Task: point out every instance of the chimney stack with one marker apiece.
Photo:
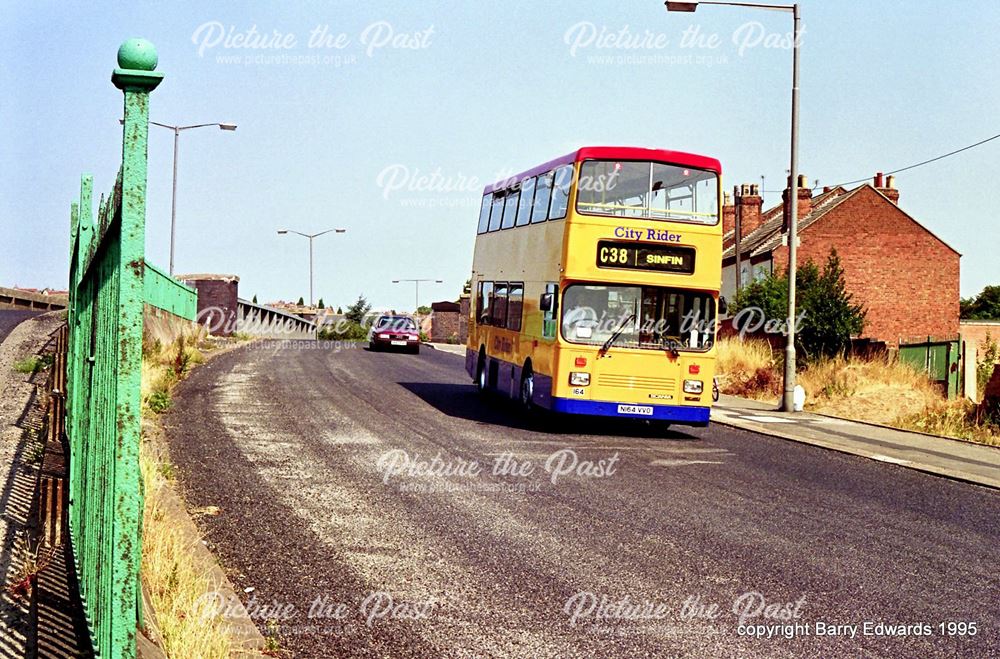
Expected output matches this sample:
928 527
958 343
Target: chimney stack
803 199
749 203
889 188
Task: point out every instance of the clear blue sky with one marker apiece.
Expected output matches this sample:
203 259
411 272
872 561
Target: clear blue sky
492 88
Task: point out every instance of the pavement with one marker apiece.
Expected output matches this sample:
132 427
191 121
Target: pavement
372 504
21 420
952 458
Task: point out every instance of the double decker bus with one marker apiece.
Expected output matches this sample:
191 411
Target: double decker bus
596 285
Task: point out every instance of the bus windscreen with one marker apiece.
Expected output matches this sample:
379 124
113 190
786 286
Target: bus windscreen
648 190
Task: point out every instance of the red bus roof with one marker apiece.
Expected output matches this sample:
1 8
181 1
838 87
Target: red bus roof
614 153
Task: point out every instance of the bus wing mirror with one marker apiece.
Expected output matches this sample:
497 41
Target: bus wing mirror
545 302
723 306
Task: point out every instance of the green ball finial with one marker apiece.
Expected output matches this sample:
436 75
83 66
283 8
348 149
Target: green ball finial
137 54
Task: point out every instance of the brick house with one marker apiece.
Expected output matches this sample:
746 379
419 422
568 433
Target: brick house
906 277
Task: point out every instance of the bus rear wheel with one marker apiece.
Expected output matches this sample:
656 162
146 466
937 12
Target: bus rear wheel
481 374
527 396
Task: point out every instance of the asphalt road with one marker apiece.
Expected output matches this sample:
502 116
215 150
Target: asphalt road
349 555
11 318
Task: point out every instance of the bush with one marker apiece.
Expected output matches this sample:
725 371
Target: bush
344 331
28 365
985 366
160 401
830 318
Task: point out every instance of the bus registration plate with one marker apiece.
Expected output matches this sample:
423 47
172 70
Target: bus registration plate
645 410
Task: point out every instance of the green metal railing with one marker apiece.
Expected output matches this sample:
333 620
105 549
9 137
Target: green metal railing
164 292
105 317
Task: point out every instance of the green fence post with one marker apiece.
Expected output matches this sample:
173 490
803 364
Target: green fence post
136 77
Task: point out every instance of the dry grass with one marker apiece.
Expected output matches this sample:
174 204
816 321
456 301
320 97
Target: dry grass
878 391
748 369
958 419
176 585
163 366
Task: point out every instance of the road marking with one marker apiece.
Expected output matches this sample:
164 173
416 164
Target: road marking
767 419
886 458
681 463
691 449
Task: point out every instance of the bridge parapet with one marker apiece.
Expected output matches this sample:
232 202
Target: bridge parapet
268 323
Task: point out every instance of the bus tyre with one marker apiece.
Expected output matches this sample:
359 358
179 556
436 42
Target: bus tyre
527 396
481 374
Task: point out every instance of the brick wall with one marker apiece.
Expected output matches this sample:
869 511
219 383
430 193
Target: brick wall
974 334
217 301
463 319
907 279
444 325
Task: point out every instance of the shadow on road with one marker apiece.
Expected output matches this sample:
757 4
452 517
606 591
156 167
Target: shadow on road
464 402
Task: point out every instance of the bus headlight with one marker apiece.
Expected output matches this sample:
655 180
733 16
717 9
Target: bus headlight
579 379
693 386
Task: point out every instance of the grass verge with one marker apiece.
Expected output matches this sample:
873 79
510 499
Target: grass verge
882 391
177 585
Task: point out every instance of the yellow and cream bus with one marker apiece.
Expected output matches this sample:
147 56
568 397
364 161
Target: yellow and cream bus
596 284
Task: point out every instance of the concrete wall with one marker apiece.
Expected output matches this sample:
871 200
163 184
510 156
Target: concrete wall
165 327
11 298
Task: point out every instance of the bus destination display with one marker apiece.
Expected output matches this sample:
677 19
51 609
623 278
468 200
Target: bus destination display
645 257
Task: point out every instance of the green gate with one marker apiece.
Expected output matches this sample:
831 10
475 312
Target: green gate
941 359
105 317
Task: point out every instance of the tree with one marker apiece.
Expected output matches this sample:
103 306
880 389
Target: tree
423 310
321 305
467 287
340 311
255 298
830 316
985 306
356 312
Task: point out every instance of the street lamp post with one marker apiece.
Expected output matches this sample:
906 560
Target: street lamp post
310 236
416 289
788 394
173 195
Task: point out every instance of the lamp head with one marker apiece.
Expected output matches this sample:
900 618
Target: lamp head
227 126
688 7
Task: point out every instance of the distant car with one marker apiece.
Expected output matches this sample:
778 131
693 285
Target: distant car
391 332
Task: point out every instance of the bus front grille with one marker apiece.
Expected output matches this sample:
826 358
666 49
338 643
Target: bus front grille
637 382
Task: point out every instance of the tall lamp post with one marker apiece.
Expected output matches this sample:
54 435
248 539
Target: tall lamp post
416 289
793 224
173 195
310 236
